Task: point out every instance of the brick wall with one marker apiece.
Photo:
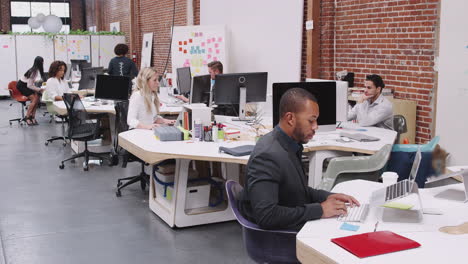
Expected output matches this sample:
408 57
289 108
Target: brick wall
5 15
196 12
395 39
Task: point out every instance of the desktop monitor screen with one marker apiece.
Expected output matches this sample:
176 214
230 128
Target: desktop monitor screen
79 65
184 80
112 87
325 92
88 77
200 89
227 87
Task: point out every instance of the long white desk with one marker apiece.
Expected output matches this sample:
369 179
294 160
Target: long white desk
314 245
93 107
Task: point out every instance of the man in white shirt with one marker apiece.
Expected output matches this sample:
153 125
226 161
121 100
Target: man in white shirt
372 108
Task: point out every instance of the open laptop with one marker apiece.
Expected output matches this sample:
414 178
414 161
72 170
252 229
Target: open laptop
401 191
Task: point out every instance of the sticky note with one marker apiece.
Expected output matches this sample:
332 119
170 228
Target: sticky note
193 34
185 51
210 50
197 70
185 42
203 51
349 227
200 34
196 34
180 48
208 41
5 46
209 56
186 61
217 51
204 62
215 58
203 44
180 42
216 45
400 206
220 39
213 39
190 40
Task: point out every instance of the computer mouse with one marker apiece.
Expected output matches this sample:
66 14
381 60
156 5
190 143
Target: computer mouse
345 139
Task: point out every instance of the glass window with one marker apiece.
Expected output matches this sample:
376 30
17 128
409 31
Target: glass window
20 9
40 7
40 29
20 28
60 9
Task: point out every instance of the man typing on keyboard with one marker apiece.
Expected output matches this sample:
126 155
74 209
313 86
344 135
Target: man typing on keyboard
276 195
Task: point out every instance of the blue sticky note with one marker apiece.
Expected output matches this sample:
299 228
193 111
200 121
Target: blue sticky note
349 227
361 129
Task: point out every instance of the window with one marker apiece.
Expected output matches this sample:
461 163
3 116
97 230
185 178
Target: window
21 11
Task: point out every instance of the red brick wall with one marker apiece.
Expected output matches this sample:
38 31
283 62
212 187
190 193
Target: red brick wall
196 12
5 15
395 39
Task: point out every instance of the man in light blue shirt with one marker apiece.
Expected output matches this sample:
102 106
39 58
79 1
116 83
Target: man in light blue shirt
372 108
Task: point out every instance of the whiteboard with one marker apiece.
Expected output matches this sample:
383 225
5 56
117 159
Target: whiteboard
260 41
8 65
106 48
60 48
196 46
79 47
30 46
95 51
146 48
452 91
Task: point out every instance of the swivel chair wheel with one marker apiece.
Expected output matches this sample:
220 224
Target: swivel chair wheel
64 143
61 166
118 194
86 168
114 160
10 123
46 143
143 185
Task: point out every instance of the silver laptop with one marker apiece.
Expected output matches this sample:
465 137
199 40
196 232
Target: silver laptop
399 189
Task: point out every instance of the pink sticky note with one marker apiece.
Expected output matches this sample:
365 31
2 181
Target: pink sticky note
196 34
215 58
217 51
210 50
209 56
186 61
200 34
220 39
5 46
204 62
68 49
208 41
216 45
213 39
203 44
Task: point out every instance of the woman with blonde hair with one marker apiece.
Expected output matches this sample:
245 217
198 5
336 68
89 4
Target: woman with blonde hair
143 107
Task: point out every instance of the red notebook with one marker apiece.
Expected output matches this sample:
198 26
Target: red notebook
375 243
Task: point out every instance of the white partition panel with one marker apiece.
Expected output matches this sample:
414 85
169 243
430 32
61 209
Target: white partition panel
28 47
8 65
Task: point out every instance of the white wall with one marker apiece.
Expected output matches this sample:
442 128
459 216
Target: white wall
265 35
452 92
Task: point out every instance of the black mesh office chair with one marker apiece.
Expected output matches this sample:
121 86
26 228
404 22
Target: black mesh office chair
399 125
121 110
81 128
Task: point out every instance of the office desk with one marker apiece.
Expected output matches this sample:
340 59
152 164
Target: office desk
92 107
144 145
325 145
314 246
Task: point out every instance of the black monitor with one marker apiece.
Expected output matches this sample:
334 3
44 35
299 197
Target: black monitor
229 88
184 80
79 65
88 77
201 90
112 87
326 95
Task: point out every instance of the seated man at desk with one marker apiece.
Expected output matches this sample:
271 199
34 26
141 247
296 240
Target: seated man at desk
372 108
276 195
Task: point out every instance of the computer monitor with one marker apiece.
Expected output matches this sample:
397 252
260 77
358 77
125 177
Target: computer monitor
88 77
324 91
112 87
240 88
79 65
67 75
201 90
184 80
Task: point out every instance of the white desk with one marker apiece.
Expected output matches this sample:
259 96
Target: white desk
93 107
325 145
144 145
314 245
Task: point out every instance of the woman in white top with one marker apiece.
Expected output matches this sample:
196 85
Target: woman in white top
27 87
143 107
56 85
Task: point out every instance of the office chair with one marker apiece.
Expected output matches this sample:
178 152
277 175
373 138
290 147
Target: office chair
263 246
49 102
399 125
342 169
81 128
20 98
121 110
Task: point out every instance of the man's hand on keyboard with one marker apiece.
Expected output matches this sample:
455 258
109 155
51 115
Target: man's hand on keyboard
336 204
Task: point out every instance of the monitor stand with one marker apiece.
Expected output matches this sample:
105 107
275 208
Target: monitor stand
242 104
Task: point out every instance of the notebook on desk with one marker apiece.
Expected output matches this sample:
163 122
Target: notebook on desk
375 243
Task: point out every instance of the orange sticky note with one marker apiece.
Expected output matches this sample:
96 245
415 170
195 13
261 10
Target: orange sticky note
190 40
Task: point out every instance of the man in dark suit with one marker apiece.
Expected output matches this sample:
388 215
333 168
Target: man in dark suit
276 195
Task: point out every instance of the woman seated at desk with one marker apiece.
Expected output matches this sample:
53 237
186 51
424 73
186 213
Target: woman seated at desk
143 107
27 87
56 86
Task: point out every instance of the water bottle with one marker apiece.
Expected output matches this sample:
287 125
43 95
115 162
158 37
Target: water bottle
214 133
197 129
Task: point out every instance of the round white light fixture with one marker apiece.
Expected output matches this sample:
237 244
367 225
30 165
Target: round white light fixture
34 23
40 17
52 24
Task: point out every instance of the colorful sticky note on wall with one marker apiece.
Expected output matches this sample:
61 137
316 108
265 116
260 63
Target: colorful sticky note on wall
213 39
208 41
5 46
203 51
196 34
204 62
210 50
217 51
180 48
220 39
200 34
180 42
190 40
209 56
193 34
185 51
185 42
215 58
216 45
203 44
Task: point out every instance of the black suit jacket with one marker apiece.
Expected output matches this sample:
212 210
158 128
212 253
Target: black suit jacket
276 195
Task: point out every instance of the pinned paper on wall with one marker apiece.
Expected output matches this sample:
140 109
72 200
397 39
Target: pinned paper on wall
200 34
86 57
215 58
185 51
5 46
180 49
190 40
220 39
209 56
217 51
213 39
208 41
180 43
216 45
185 43
210 50
203 44
196 34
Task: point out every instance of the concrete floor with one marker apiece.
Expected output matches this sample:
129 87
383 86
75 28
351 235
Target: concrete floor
48 215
